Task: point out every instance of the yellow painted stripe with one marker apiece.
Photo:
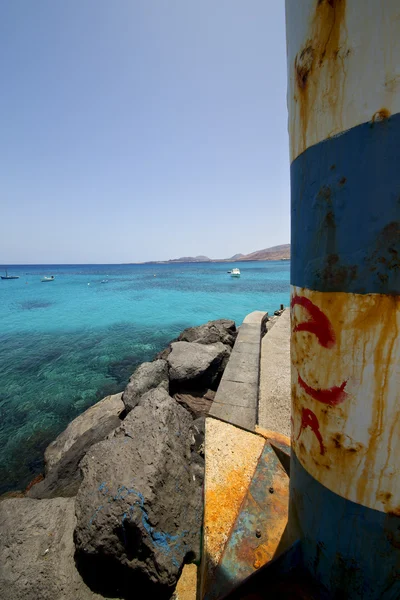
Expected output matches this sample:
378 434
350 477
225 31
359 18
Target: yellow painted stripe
345 356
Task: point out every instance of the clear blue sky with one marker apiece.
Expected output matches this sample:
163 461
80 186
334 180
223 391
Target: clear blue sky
134 130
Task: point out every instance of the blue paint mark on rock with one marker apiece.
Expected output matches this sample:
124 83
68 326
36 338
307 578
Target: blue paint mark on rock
167 543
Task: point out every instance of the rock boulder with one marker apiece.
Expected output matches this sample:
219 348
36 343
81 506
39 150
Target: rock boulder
37 551
62 456
147 376
197 403
221 330
139 508
193 365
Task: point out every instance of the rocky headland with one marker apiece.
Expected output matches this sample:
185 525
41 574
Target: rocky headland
281 252
119 509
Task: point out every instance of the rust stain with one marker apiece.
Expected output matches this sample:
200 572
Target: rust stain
345 443
274 515
386 251
223 502
273 436
383 360
324 51
232 456
336 274
384 497
34 481
392 528
380 115
366 445
262 556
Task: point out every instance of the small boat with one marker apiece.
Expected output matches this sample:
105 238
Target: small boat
235 273
104 281
7 276
48 279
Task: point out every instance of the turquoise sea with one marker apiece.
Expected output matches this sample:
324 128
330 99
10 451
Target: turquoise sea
68 343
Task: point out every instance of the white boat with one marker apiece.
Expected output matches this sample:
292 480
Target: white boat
48 279
235 273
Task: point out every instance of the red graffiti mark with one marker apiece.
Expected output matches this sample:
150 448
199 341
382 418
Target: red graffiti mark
319 325
331 396
309 419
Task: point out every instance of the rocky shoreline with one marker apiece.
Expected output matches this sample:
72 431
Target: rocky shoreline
120 506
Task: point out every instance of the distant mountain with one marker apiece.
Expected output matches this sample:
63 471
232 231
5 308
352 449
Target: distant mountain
236 257
274 253
281 252
191 259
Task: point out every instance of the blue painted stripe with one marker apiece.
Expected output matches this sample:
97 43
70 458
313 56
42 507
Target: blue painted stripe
353 549
346 212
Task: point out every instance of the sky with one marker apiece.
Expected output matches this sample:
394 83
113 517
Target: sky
137 130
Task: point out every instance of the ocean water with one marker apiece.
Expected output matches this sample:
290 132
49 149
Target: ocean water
68 343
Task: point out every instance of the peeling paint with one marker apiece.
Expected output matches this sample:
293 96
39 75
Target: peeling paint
330 66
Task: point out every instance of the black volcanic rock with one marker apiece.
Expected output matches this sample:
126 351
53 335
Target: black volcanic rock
139 506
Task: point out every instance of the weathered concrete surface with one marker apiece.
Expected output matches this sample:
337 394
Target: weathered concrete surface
243 367
236 400
186 588
37 551
231 458
256 535
275 389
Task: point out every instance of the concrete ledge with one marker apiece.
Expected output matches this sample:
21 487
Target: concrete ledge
237 393
236 400
246 347
243 367
275 380
238 415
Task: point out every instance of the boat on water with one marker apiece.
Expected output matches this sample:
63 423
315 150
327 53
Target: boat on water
48 279
7 276
235 273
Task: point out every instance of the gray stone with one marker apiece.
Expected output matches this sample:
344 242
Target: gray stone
37 551
146 377
221 330
139 509
62 456
197 468
163 355
196 365
198 435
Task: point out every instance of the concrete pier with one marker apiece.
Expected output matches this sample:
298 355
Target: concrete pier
274 392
